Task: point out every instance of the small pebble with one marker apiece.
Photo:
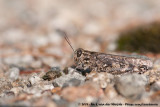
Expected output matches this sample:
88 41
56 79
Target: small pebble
48 87
53 73
72 82
16 90
8 94
156 86
14 73
36 64
157 65
34 79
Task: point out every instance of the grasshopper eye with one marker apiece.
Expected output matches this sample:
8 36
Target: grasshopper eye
79 53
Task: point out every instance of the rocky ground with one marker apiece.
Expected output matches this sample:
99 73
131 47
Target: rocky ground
36 61
70 88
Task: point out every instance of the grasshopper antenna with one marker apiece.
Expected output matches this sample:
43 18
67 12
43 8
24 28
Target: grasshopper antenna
66 38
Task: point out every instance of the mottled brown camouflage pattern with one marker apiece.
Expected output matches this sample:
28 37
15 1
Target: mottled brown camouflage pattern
114 64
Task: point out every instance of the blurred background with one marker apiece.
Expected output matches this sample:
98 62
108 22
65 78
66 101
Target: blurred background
29 37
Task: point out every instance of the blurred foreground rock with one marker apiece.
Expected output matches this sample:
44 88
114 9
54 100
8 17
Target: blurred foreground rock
131 86
13 73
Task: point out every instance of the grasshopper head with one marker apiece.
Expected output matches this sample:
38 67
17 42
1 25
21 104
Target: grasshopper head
81 56
82 59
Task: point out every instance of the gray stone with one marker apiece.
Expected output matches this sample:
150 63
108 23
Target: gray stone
8 94
157 64
14 73
72 82
47 87
34 79
53 73
55 69
131 85
156 86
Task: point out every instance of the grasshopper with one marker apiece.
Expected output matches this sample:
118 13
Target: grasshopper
85 60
